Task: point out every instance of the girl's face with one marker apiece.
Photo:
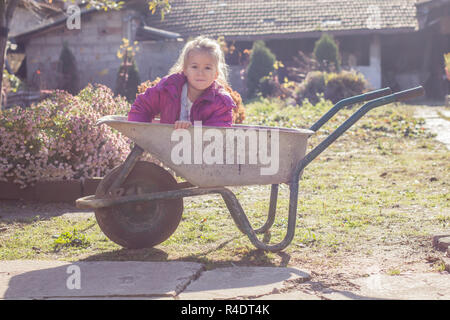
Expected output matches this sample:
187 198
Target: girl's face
200 70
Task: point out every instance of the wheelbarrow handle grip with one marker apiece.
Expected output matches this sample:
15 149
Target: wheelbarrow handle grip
409 94
377 94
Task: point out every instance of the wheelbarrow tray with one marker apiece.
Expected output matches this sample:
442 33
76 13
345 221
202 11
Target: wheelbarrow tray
258 155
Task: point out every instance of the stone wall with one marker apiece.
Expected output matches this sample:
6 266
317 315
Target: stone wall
372 73
155 58
23 20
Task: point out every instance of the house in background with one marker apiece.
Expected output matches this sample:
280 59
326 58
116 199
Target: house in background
29 16
397 43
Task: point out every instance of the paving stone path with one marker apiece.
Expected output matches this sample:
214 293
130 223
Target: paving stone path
436 121
27 279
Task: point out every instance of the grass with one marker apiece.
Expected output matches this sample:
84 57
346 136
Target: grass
381 186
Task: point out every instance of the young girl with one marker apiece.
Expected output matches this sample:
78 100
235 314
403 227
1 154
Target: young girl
193 90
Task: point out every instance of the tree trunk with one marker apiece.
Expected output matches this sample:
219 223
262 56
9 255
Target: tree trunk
7 8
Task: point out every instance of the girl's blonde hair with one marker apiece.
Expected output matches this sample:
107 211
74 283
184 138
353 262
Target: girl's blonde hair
206 45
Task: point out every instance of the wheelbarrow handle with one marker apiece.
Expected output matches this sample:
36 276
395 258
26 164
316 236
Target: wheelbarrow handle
399 96
377 94
347 102
409 94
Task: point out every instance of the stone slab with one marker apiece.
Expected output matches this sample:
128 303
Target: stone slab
441 241
28 279
447 262
444 243
435 124
420 286
235 282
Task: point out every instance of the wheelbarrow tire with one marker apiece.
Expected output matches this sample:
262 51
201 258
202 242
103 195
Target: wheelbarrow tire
140 224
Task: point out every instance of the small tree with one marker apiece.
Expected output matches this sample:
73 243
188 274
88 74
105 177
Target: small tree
67 70
326 52
262 62
128 78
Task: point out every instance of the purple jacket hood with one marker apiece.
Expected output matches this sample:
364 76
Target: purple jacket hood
214 107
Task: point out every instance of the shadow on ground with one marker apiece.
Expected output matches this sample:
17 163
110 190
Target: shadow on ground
254 257
30 211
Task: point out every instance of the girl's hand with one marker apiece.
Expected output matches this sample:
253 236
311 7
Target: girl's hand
182 124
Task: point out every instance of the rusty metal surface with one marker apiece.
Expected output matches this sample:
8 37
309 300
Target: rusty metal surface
96 202
288 147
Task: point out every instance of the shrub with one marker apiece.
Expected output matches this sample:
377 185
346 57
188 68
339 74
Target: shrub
57 139
148 84
127 78
262 62
300 66
334 86
270 87
343 85
326 52
11 83
239 111
313 85
67 71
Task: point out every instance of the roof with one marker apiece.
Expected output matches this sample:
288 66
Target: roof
142 33
432 2
149 33
241 20
268 19
430 12
49 25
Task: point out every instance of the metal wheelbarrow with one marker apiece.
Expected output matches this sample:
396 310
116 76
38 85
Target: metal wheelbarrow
139 204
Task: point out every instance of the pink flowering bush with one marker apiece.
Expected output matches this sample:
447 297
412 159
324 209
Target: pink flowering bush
57 139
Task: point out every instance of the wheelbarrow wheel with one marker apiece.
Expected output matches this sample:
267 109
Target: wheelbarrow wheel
140 224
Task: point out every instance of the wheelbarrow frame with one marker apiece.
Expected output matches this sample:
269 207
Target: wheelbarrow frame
185 189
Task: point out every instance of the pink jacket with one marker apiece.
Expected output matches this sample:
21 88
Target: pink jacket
214 107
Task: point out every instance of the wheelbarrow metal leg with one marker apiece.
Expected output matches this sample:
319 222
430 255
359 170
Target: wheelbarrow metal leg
132 159
243 224
272 210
